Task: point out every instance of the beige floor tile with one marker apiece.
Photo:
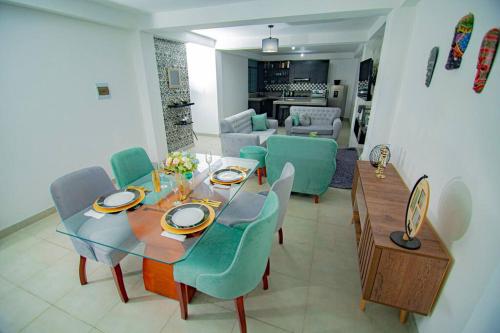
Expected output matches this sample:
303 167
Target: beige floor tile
282 305
302 206
299 230
5 287
18 267
291 259
202 317
56 321
18 308
254 325
144 312
334 310
92 301
55 281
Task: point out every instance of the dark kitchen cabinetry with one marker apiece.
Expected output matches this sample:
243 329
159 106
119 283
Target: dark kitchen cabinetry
313 71
284 72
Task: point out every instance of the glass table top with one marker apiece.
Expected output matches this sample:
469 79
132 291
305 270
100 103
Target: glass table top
138 231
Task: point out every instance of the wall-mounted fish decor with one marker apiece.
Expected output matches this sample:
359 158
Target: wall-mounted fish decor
463 31
486 57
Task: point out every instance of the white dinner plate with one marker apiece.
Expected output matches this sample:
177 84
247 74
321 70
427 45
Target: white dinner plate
188 216
119 199
228 176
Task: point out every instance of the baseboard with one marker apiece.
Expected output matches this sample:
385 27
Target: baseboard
208 134
26 222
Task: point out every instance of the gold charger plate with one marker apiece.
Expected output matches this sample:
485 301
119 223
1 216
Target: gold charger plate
237 181
204 225
141 197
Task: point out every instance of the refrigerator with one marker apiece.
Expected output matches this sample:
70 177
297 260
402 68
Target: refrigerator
337 97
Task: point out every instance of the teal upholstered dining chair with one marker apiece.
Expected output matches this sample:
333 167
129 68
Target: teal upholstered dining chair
246 206
75 192
313 159
227 262
129 165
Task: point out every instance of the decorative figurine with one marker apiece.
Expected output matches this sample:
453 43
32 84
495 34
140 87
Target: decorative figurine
463 31
375 155
416 211
486 57
382 162
431 64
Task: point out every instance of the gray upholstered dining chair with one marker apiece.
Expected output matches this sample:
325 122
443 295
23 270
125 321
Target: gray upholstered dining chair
246 206
75 192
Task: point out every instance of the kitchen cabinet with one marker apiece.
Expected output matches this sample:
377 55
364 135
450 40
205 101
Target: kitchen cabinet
315 71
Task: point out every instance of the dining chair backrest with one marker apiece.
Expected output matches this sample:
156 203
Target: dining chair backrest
79 189
249 263
283 187
129 165
76 191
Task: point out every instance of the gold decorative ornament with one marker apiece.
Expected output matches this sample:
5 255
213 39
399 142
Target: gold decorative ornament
382 162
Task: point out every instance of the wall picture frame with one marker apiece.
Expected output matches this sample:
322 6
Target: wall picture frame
174 77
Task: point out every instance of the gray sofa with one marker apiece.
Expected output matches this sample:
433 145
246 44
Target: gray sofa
236 132
324 120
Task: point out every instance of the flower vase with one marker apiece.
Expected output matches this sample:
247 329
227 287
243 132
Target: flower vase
183 185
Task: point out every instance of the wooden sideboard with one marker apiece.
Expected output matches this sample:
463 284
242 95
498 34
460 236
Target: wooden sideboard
409 280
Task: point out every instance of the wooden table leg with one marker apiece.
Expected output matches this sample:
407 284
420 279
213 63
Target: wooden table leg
259 175
159 279
403 316
362 305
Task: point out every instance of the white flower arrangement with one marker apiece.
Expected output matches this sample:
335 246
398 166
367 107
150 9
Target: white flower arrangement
181 162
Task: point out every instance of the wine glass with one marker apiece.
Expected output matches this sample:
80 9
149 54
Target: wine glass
208 159
175 189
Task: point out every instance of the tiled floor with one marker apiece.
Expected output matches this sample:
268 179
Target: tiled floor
314 284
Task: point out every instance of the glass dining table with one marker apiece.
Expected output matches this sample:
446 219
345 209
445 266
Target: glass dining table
139 229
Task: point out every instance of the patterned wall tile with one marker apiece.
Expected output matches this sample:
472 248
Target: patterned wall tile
296 86
171 54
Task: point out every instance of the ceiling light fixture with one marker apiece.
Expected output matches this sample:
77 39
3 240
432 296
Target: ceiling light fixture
293 47
270 45
302 55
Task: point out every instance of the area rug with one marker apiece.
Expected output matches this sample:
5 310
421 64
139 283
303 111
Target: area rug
346 162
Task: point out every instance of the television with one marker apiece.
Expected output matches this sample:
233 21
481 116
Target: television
365 80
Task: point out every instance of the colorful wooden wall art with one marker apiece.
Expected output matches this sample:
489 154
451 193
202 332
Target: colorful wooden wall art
431 64
463 31
486 57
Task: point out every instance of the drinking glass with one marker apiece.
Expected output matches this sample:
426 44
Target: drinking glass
208 159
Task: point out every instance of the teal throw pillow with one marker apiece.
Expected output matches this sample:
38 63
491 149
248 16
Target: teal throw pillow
259 122
295 120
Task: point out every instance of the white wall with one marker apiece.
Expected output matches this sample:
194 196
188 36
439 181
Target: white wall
51 122
203 88
450 133
232 83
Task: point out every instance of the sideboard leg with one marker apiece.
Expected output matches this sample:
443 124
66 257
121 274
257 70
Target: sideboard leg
362 305
403 316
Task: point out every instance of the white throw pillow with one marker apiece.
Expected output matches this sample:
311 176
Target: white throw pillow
305 120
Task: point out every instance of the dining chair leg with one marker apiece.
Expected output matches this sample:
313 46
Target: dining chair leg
241 314
280 235
265 172
265 280
82 271
118 277
316 198
183 299
259 175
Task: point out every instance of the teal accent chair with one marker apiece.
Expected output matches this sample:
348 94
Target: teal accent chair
227 262
312 157
129 165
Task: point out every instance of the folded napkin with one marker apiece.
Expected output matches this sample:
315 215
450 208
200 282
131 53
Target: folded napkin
92 213
167 234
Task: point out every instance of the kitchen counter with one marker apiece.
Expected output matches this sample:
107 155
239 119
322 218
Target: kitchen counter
301 101
260 99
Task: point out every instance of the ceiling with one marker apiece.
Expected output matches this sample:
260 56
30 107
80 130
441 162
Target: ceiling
308 49
154 6
288 29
